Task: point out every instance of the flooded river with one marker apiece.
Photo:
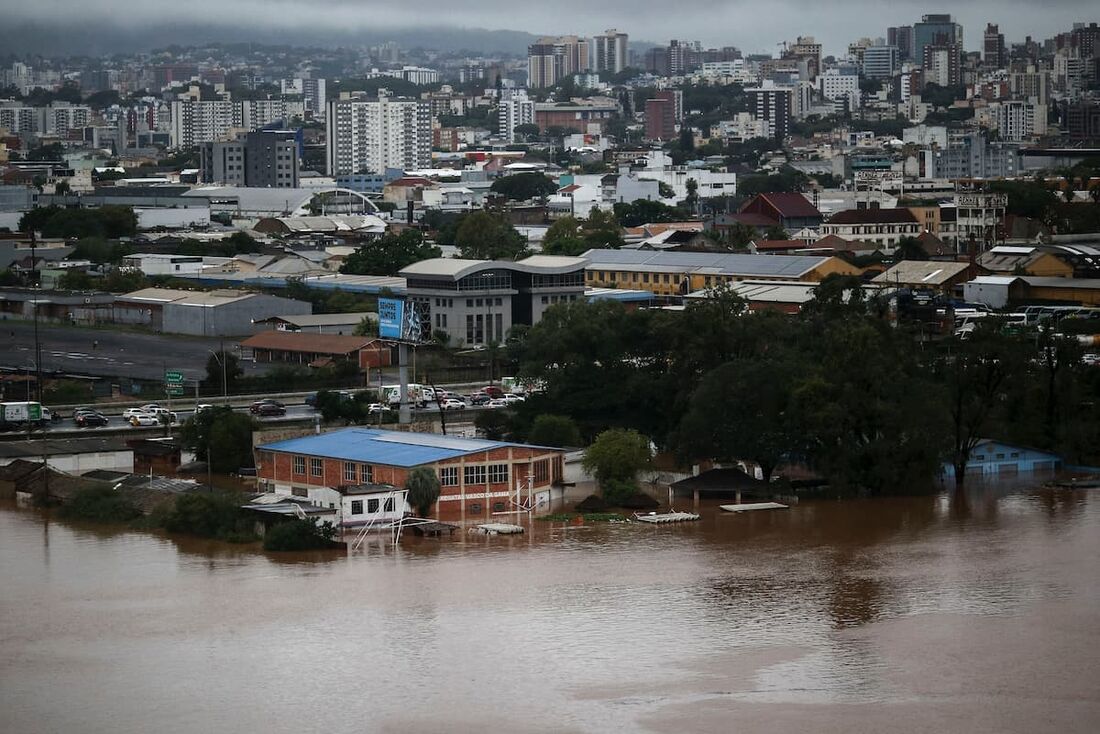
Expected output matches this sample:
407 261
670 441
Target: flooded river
926 614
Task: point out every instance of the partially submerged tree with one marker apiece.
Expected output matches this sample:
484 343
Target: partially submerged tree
423 487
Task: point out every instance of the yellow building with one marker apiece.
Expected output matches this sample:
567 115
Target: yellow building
1025 260
678 273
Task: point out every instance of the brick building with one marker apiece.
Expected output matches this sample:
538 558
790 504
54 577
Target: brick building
316 350
477 477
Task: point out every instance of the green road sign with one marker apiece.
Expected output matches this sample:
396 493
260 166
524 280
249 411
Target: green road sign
171 377
34 412
174 390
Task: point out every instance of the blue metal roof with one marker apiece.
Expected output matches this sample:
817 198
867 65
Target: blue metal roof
392 448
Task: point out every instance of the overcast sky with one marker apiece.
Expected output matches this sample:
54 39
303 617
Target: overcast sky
752 25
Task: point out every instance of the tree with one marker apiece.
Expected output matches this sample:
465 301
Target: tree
75 280
909 248
691 201
615 458
367 326
564 238
220 364
388 254
493 424
423 488
975 374
300 534
775 232
643 211
741 411
111 222
554 430
524 186
527 130
61 188
486 236
221 437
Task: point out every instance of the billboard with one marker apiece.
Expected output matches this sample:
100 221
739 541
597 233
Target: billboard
401 320
391 316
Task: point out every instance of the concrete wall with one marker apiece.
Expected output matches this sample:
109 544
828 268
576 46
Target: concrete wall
122 460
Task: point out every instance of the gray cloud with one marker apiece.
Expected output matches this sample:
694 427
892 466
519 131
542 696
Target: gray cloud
750 24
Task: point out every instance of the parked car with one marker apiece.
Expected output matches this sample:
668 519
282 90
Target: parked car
512 398
492 391
376 408
497 403
311 400
144 419
203 406
452 404
151 407
90 419
256 406
271 408
479 398
131 412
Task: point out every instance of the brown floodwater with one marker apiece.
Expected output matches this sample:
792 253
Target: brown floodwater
976 613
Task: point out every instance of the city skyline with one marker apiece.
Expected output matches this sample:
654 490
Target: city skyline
833 23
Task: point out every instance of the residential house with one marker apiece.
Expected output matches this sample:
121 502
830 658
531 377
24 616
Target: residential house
991 457
928 275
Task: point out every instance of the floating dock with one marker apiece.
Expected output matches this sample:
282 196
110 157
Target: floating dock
497 528
666 517
750 506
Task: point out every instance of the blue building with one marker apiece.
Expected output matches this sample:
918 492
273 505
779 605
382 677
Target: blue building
997 458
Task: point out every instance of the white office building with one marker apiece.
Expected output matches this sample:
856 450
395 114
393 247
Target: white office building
373 134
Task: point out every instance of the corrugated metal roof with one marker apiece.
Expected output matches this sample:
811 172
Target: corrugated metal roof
724 263
392 448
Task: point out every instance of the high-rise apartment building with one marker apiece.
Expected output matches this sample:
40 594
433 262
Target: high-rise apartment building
58 118
193 122
993 47
551 59
610 51
660 120
313 93
806 49
935 30
773 104
262 158
942 64
373 134
513 110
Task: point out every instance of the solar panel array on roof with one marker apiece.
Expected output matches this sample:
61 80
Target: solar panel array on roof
735 264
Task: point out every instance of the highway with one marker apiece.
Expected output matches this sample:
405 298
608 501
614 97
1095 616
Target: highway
74 349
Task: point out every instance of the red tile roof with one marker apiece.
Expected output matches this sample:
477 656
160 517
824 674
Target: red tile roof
286 341
791 205
899 215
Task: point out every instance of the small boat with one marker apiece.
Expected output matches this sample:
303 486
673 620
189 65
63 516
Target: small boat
750 506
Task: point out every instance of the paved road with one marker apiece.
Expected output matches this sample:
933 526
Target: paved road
119 353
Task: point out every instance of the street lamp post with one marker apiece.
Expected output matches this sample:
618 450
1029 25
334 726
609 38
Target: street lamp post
487 333
225 387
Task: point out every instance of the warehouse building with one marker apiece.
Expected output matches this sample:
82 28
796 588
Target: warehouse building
202 313
680 273
477 477
315 350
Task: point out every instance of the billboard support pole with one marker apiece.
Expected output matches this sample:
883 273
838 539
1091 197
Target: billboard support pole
404 414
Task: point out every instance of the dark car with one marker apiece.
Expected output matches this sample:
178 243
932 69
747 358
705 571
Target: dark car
311 400
478 398
272 408
90 419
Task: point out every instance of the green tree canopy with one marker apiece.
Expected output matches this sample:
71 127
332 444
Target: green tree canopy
643 211
615 458
524 186
423 487
484 235
220 436
554 430
388 254
110 222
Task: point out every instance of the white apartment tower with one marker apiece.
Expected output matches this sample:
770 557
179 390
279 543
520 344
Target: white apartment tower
204 122
515 109
373 134
611 51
